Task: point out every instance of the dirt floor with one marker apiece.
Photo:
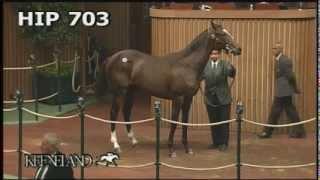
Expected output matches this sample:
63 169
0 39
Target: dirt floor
280 150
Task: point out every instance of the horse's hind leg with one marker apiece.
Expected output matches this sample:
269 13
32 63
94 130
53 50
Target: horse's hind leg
114 114
185 117
127 108
176 105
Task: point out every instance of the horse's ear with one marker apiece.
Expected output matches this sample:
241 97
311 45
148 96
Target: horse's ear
212 24
212 27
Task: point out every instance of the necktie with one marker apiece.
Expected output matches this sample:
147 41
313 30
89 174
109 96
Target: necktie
214 65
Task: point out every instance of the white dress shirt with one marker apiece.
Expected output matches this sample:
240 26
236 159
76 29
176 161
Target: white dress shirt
278 57
214 64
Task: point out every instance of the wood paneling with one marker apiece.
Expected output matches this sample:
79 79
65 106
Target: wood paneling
254 82
239 14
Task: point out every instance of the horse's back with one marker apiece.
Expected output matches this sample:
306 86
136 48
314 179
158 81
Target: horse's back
153 74
133 54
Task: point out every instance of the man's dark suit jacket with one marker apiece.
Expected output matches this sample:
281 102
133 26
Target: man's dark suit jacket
286 84
217 82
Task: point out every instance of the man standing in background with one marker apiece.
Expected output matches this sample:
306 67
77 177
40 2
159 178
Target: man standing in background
286 87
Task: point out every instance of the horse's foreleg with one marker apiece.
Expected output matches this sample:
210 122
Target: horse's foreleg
127 108
114 114
185 118
176 105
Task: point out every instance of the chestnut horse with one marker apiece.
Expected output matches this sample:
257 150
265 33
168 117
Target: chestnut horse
175 76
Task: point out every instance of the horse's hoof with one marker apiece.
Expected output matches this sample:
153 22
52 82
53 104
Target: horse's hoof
189 151
173 155
134 142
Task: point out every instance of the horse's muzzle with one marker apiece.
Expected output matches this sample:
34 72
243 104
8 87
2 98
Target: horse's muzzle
236 51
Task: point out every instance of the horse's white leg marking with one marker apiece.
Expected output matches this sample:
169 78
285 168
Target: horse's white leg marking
133 139
114 140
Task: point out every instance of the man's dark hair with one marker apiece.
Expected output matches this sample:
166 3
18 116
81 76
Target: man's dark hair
219 50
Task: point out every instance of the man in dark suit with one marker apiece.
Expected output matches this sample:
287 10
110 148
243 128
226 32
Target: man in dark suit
218 98
286 87
50 145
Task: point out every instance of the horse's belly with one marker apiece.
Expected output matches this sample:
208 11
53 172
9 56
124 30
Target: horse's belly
186 85
165 91
157 89
158 80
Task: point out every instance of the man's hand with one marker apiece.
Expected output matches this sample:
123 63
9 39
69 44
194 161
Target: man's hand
201 88
231 71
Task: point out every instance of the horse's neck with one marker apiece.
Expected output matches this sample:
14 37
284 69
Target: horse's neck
198 58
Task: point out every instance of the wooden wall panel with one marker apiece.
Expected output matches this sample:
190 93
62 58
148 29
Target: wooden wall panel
12 56
254 82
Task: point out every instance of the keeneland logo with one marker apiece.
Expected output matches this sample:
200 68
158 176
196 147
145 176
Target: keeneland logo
108 158
71 160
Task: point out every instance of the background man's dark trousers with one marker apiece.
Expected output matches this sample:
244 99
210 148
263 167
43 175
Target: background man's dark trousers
219 133
280 104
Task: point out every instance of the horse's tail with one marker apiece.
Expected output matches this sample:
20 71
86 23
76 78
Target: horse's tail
102 83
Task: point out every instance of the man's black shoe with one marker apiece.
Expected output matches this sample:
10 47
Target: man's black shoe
213 146
264 135
222 147
299 132
298 135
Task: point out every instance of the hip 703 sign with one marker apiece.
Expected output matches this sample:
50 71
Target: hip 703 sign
87 18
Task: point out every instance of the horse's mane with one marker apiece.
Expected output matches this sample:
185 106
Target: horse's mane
196 42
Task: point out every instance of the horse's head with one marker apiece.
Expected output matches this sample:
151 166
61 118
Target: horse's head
223 39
